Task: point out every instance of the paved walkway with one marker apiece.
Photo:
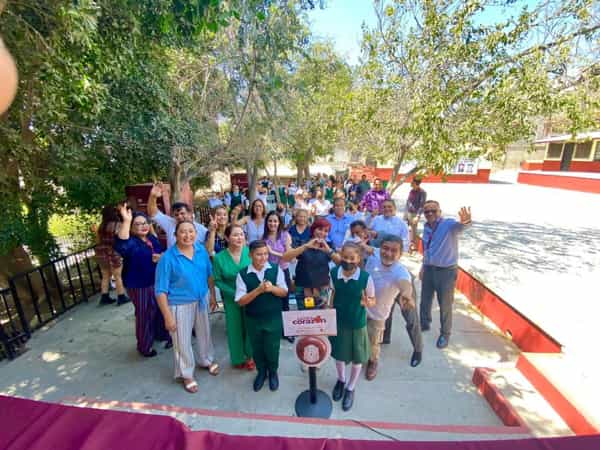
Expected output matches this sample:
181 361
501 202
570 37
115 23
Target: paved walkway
89 356
538 248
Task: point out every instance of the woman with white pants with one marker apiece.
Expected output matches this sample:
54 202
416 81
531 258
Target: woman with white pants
183 280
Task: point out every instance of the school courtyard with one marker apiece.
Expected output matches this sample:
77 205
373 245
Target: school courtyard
538 248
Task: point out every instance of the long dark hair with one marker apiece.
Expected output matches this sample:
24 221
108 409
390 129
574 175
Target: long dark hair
109 215
279 227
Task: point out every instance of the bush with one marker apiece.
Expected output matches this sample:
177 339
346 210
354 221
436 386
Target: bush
73 232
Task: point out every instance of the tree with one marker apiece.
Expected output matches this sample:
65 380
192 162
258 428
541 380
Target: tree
92 95
440 80
310 122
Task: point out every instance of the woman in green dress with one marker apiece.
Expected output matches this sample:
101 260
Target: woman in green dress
226 265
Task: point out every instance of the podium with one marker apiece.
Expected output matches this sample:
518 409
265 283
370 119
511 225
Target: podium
313 348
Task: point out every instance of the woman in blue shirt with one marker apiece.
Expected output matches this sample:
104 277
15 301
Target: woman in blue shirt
141 251
183 280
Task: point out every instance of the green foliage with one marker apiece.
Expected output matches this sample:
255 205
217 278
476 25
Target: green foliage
97 108
73 231
317 94
443 80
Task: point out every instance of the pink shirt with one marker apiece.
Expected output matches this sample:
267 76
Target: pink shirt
279 247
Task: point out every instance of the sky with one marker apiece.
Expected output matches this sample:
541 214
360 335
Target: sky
341 21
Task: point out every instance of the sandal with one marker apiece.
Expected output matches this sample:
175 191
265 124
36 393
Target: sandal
213 369
250 365
190 386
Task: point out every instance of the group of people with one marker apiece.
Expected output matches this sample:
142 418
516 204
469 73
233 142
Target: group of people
346 257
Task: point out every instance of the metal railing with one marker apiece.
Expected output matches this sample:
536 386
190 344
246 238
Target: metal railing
39 295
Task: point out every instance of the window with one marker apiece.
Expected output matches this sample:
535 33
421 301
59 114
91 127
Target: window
597 154
583 150
554 151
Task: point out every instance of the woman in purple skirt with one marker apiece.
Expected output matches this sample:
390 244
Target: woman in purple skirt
141 250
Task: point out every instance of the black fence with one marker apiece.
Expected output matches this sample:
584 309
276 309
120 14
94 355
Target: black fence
40 295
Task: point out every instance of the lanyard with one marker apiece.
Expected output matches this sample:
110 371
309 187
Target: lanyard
433 230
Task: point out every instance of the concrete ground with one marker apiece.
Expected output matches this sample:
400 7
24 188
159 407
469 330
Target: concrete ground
539 249
88 357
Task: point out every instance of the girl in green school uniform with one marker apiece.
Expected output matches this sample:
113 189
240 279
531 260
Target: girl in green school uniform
353 292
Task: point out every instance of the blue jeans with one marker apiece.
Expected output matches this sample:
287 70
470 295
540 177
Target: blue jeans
441 281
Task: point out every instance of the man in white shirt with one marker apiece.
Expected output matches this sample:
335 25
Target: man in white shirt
180 211
393 282
389 223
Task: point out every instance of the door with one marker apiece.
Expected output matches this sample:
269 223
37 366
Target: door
567 155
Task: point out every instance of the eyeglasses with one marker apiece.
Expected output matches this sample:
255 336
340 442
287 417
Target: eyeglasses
140 224
429 211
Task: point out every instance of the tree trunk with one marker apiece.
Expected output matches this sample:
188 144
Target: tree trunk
307 171
276 181
175 180
252 172
394 182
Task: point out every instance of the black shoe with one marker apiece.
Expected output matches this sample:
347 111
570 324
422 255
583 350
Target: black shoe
425 327
442 342
338 390
290 339
348 400
122 299
415 359
150 354
106 299
273 380
169 344
259 381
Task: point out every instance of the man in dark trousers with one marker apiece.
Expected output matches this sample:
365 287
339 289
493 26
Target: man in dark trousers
413 210
439 270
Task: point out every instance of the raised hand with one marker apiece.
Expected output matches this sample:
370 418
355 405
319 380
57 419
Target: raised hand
314 243
125 212
465 215
212 225
156 190
324 246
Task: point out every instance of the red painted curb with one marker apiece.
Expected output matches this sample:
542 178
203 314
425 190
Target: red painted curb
565 409
580 184
499 404
152 407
